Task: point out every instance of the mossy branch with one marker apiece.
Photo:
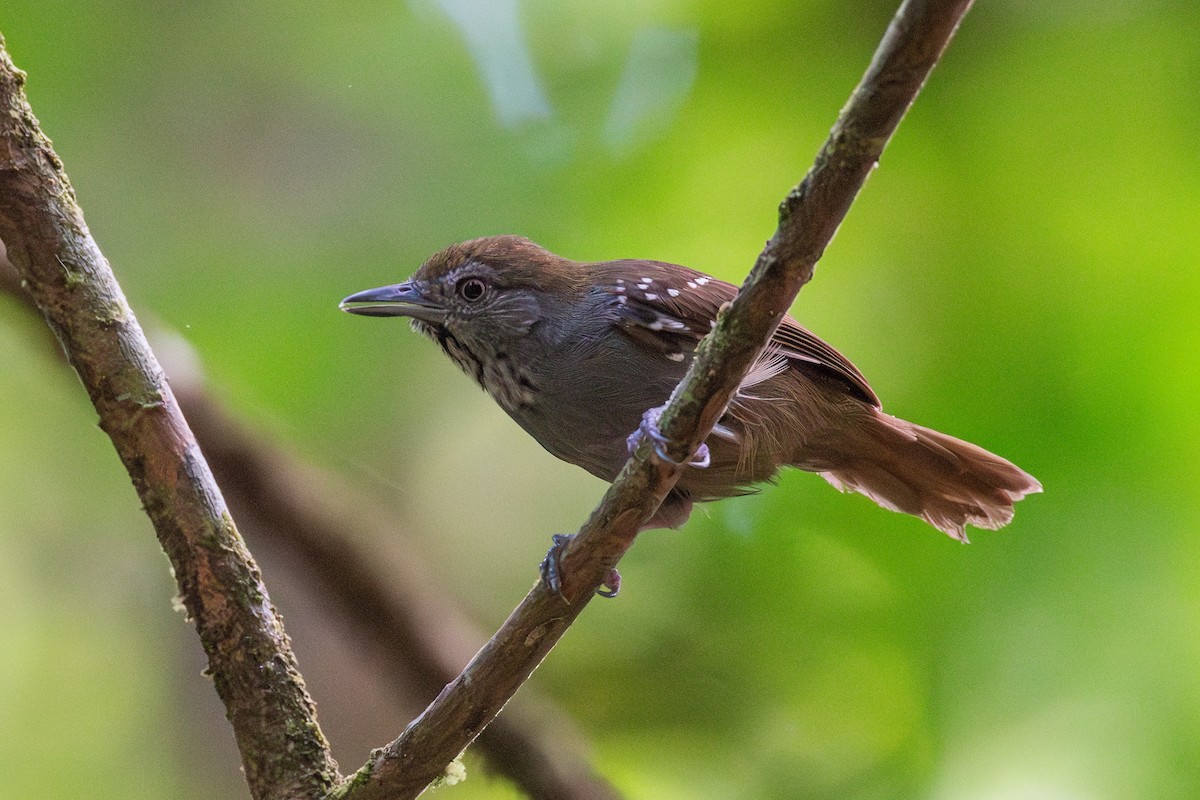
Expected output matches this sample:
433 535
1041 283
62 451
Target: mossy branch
249 655
808 218
391 609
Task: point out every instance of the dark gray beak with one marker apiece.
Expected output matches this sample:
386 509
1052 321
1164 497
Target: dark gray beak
398 300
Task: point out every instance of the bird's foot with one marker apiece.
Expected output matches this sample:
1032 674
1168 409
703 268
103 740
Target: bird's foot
650 430
551 569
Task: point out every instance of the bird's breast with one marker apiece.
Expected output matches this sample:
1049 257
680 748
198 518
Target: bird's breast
582 400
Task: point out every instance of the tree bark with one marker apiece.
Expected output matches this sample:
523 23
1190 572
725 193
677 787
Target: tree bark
250 658
283 750
808 218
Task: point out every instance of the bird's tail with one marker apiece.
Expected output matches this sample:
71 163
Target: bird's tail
945 481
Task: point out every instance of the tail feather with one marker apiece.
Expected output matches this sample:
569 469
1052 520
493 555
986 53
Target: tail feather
945 481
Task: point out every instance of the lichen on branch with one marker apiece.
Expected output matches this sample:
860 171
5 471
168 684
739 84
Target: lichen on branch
62 269
808 218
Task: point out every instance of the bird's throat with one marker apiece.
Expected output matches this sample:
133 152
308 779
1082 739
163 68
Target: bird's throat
511 386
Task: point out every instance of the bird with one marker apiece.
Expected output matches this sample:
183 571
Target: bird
578 352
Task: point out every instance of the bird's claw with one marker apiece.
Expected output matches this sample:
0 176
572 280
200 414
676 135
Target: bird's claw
612 584
649 429
551 569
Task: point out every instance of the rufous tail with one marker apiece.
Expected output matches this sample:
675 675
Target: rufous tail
945 481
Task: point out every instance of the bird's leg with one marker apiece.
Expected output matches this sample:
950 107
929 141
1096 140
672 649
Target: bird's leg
649 429
551 569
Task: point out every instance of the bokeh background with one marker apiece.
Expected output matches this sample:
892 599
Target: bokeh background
1021 272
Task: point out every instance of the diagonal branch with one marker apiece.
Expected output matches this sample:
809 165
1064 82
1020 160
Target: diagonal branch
808 218
417 637
250 658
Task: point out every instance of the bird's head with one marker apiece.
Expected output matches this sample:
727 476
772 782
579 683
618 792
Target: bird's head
481 298
502 278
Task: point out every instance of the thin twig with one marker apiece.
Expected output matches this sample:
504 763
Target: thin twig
250 658
809 216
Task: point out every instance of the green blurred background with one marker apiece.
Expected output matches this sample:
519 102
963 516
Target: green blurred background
1021 272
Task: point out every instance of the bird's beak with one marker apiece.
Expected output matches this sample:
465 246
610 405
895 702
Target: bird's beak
398 300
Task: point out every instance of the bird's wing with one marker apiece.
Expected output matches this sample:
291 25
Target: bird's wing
669 308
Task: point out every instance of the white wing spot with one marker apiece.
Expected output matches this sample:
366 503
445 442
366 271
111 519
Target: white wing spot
673 292
644 286
675 356
647 280
620 290
621 299
691 284
651 296
702 281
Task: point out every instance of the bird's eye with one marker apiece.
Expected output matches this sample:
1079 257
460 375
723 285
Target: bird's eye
471 289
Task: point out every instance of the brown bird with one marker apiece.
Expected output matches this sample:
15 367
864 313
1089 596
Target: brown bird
577 352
